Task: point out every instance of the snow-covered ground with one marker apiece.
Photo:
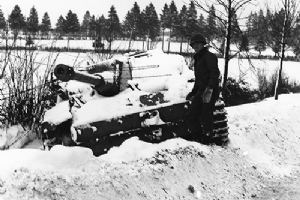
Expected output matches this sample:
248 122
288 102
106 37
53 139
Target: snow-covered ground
116 45
262 161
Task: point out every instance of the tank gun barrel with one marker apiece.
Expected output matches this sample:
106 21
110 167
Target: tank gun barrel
66 73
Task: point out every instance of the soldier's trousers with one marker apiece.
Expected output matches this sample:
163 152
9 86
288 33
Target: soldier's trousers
199 117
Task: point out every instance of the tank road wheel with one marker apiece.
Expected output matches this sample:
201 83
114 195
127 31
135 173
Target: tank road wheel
220 131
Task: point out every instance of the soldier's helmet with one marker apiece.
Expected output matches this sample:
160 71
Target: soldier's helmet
198 38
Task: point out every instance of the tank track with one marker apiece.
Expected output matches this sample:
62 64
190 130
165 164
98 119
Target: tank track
220 131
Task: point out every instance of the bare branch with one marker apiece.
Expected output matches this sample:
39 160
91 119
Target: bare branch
222 3
203 6
241 4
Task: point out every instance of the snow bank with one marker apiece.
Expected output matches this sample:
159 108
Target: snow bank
59 158
133 149
268 132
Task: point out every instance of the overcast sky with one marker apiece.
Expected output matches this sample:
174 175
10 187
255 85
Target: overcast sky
55 8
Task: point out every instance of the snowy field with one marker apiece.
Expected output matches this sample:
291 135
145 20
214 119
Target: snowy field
116 45
262 161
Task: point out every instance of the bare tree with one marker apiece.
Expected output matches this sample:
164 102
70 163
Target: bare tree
226 11
290 9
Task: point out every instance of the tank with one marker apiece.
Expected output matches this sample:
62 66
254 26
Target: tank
125 99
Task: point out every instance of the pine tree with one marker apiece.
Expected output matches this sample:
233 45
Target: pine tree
16 21
164 17
32 23
296 37
100 26
173 15
182 22
71 24
250 26
132 23
45 26
192 19
144 32
267 25
151 22
93 26
172 21
2 21
128 27
276 30
260 30
202 25
211 28
60 25
112 25
164 20
236 30
85 25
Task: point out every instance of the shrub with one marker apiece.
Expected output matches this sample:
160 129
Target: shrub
238 92
25 88
266 87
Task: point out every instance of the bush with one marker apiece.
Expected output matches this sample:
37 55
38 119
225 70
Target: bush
237 93
266 87
25 89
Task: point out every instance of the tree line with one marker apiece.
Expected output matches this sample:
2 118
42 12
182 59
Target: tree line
262 30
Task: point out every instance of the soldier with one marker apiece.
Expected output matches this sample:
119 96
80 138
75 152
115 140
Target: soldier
205 91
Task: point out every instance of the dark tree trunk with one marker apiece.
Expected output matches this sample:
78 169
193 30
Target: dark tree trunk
278 80
143 44
283 44
129 45
163 40
169 42
227 47
181 44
